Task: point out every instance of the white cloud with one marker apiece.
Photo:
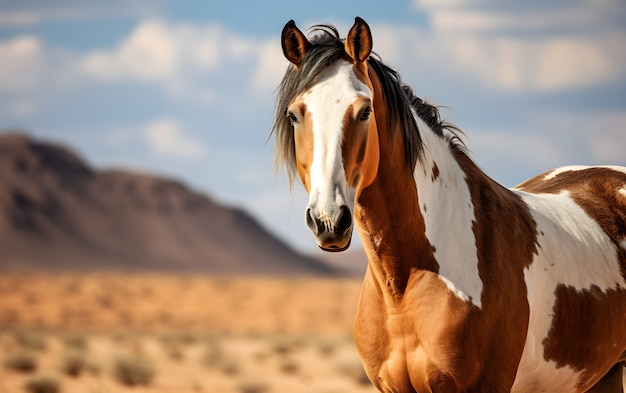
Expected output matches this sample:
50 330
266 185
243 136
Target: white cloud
35 15
509 63
441 4
529 47
157 50
182 59
547 64
22 107
150 52
19 18
601 135
167 137
21 64
464 19
550 139
271 66
515 148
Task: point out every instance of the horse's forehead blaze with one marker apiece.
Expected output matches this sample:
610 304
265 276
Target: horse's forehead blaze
327 111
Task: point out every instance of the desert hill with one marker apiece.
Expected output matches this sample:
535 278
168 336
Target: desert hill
58 213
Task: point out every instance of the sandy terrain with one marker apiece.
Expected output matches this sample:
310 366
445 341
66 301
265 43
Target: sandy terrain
195 333
186 302
191 334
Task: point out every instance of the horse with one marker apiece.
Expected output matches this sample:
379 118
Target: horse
470 286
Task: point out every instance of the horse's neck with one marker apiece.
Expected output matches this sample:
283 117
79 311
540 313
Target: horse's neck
408 220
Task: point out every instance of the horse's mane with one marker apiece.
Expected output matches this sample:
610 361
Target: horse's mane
327 48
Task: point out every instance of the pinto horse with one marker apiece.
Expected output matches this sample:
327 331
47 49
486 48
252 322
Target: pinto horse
470 287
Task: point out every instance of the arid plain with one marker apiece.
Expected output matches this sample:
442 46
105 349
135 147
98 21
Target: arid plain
110 332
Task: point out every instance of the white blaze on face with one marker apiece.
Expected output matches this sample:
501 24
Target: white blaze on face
326 104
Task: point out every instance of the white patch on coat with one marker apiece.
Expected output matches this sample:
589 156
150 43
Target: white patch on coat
449 217
327 103
460 294
569 168
558 171
568 240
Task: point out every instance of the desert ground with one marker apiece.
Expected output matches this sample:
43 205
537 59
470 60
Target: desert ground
100 333
148 333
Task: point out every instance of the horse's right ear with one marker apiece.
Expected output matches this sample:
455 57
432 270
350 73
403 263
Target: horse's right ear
294 43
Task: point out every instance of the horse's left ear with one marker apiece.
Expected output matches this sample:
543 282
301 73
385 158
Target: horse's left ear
359 41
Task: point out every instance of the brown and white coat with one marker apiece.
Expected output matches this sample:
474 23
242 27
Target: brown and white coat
470 287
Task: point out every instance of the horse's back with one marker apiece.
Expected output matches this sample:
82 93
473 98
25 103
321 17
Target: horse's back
577 282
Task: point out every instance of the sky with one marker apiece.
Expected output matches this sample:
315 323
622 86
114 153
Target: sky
186 88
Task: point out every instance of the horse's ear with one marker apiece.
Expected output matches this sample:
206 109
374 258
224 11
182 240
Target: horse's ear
359 41
294 43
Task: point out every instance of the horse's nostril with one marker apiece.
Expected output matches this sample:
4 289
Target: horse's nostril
339 225
315 225
344 220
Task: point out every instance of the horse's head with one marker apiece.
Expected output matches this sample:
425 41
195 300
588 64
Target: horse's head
326 127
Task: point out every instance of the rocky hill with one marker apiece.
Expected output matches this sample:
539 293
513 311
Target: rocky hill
58 213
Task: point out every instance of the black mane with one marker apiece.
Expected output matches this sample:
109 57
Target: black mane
327 48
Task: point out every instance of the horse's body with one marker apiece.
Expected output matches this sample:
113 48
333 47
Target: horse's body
470 287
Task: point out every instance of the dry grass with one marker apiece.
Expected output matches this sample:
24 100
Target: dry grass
133 369
176 304
42 384
22 361
192 334
196 334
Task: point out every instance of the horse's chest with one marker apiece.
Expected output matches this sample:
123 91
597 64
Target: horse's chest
411 349
397 361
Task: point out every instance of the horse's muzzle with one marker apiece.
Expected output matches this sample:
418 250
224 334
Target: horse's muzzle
333 233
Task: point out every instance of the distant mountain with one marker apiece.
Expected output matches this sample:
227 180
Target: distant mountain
58 213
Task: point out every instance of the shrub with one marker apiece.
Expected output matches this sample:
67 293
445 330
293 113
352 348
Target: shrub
21 361
30 340
75 342
74 364
42 384
250 385
213 353
180 338
289 366
326 347
174 344
133 370
354 370
175 352
283 345
228 365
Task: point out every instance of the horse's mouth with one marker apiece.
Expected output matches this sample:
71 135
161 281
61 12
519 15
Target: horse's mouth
335 248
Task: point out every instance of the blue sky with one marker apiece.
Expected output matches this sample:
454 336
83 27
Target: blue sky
186 88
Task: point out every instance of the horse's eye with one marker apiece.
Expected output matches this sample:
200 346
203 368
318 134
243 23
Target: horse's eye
293 119
366 114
